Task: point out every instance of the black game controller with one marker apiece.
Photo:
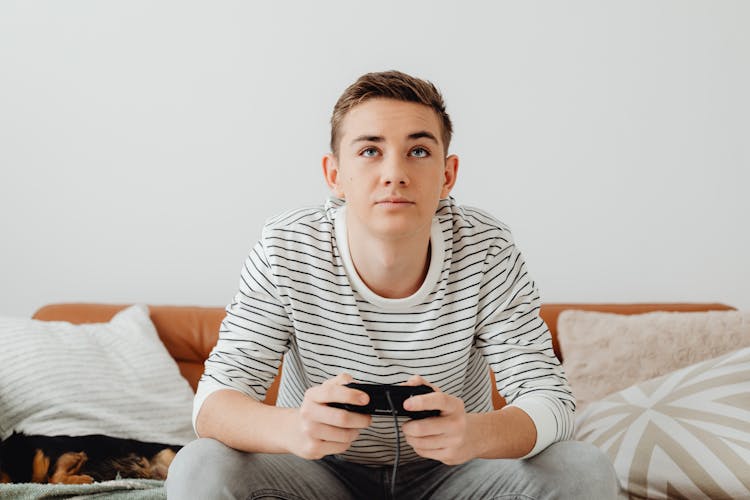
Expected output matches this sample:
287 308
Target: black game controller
379 404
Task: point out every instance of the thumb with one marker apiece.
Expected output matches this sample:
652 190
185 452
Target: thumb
420 380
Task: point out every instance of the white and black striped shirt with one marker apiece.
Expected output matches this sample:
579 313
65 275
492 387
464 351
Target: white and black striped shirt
300 297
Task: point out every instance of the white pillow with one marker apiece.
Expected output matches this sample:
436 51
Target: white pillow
682 435
113 378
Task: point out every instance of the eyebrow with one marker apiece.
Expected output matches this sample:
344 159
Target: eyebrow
422 134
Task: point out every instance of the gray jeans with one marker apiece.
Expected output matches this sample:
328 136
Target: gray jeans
207 469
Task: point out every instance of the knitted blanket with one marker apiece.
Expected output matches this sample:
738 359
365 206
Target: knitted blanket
122 489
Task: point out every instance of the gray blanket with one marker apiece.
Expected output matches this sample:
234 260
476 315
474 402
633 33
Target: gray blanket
122 489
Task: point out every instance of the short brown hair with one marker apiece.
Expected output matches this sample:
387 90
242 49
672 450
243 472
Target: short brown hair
389 85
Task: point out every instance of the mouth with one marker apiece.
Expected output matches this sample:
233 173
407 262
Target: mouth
394 201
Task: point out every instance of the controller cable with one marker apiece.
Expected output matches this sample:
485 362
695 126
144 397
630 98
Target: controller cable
398 444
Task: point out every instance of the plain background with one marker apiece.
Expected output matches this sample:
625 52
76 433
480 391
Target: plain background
144 143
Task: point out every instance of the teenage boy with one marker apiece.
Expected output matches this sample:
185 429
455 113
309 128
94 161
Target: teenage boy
390 282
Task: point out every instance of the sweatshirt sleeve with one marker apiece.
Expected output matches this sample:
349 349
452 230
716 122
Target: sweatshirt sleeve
253 336
517 345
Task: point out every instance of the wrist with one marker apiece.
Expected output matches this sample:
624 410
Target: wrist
269 417
505 433
290 420
479 430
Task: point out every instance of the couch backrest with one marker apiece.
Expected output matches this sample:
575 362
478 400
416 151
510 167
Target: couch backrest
190 332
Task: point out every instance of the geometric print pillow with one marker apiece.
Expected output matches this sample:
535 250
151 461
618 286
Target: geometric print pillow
682 435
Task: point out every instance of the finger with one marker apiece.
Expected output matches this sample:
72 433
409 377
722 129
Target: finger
333 448
333 434
338 417
423 448
427 444
431 401
414 380
334 391
423 428
340 379
420 380
441 455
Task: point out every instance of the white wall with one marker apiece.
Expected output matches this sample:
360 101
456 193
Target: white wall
143 143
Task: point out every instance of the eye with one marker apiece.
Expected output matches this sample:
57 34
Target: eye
369 152
419 152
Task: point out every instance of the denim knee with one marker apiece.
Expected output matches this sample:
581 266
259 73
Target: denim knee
189 477
583 471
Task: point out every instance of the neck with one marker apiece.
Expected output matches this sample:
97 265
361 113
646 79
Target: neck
392 269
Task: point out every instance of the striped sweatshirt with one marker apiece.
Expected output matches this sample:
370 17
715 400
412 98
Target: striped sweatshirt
300 297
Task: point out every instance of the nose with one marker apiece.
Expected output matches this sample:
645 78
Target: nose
395 172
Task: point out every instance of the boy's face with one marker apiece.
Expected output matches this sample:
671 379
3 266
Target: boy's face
391 168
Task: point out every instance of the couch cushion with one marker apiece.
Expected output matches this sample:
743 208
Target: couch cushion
551 312
188 332
608 352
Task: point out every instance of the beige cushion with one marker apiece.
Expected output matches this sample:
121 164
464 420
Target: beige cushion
682 435
604 352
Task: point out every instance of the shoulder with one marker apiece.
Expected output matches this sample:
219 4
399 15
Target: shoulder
312 218
473 224
307 226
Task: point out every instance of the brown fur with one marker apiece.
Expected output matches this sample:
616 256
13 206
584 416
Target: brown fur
67 468
82 459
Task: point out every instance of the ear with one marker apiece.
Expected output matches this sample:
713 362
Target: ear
331 173
450 173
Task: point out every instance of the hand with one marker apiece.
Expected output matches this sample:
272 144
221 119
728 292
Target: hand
443 438
323 430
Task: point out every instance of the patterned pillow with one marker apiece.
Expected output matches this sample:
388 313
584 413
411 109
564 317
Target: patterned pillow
682 435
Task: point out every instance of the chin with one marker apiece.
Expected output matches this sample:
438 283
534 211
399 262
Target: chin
395 230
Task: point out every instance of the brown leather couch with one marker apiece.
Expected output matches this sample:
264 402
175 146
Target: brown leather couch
189 333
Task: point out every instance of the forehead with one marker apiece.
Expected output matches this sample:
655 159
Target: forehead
390 119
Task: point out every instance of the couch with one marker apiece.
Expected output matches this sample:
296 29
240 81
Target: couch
189 333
